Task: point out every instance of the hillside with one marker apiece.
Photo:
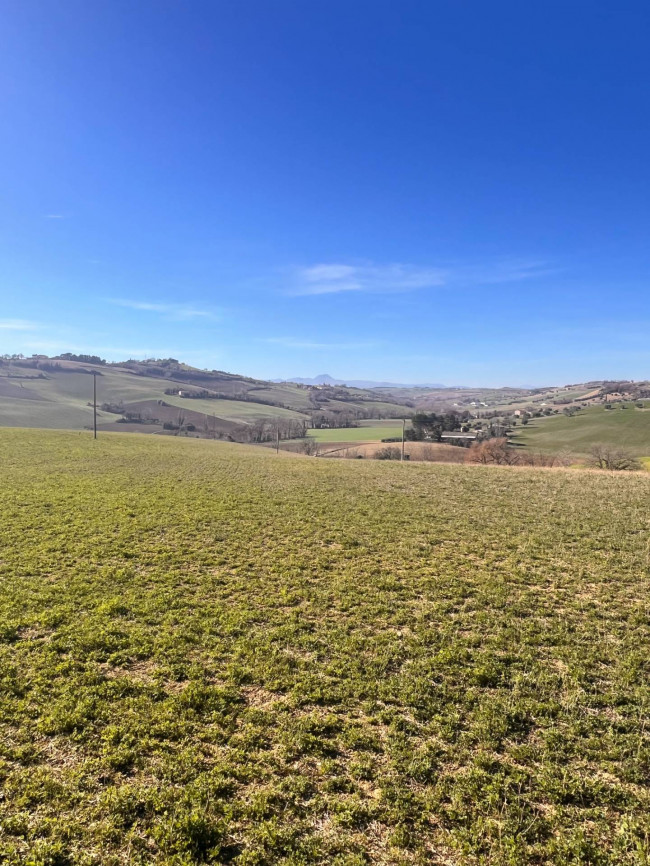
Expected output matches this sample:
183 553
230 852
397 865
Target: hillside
167 396
146 396
623 426
210 653
480 400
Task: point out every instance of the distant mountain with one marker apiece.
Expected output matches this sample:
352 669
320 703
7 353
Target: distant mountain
326 379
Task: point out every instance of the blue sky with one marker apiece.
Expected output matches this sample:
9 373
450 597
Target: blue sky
414 191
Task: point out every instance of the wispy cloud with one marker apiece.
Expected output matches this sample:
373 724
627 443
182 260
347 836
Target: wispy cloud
18 325
54 216
175 312
291 343
505 271
325 279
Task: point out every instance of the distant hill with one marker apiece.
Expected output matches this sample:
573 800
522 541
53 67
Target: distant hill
170 397
165 395
326 379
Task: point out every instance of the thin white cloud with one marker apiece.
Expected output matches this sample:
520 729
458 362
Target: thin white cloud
505 271
291 343
325 279
176 312
54 216
18 325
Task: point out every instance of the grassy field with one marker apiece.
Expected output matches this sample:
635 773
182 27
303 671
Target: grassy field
626 428
58 398
235 410
371 431
435 452
213 654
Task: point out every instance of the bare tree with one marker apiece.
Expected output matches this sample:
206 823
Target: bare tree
388 453
496 451
616 459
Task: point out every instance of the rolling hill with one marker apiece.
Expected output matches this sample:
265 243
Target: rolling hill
167 396
623 426
157 396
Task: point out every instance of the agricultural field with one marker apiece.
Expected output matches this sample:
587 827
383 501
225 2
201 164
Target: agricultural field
434 452
627 428
58 395
235 410
210 653
370 431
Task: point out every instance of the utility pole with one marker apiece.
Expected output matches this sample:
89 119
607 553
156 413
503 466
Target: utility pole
94 405
403 431
277 438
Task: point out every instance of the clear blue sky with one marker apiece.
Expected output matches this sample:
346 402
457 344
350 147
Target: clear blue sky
415 191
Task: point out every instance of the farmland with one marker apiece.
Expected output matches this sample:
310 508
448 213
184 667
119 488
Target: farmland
627 428
213 653
145 396
365 432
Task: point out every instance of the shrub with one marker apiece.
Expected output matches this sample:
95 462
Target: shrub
388 453
610 457
493 451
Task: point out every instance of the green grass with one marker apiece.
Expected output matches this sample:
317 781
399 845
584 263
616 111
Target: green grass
371 431
65 395
626 428
213 654
234 410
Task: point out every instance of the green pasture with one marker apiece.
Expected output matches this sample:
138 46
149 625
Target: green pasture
370 431
627 428
211 653
234 410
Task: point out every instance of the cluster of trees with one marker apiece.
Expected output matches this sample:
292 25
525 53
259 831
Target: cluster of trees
37 362
41 360
268 430
497 452
320 420
430 425
610 457
129 417
83 359
390 452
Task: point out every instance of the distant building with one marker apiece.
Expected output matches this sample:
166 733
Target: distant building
459 436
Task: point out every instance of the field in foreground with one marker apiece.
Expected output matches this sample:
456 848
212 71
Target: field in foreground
210 653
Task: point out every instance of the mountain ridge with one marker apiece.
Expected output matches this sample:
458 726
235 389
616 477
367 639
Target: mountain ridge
326 379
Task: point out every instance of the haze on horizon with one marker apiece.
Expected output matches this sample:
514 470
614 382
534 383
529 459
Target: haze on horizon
412 192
